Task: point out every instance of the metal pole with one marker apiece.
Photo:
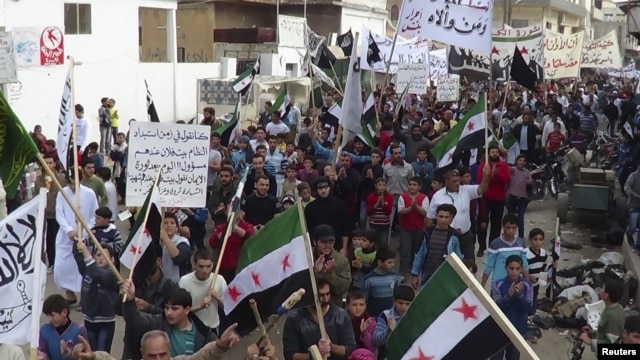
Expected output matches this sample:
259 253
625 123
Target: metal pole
278 19
304 9
507 13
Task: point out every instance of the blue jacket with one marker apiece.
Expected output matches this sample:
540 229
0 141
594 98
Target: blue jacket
101 286
517 307
381 332
498 252
453 246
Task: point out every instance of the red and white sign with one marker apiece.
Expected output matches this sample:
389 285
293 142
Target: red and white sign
51 46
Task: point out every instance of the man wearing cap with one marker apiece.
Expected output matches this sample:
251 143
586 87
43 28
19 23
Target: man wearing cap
330 264
460 196
328 210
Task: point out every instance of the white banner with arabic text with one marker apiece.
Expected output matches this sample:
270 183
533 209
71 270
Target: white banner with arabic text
412 51
562 55
602 53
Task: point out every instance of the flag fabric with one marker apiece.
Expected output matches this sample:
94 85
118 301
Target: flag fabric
352 103
468 134
272 265
282 103
369 122
332 116
227 131
325 58
234 207
314 42
319 77
23 272
65 122
521 72
345 42
17 148
243 82
446 320
151 106
149 248
373 51
305 69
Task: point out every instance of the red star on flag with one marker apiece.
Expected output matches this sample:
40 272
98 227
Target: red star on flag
134 249
285 263
524 51
256 279
468 311
422 356
234 293
471 126
450 156
495 51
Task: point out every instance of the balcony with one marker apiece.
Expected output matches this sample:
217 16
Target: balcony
597 14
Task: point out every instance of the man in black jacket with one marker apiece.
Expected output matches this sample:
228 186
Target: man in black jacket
329 210
188 333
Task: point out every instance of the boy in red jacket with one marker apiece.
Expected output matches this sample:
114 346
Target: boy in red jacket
412 212
379 207
240 233
496 193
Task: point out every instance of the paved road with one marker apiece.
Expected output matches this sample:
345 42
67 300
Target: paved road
540 214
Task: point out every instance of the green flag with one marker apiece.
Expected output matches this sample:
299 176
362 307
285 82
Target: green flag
17 148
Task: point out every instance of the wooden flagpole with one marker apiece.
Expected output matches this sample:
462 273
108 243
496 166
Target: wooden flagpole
144 224
74 135
493 309
76 212
337 78
393 47
488 99
311 263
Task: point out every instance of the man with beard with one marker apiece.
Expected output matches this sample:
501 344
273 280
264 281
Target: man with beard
223 190
301 330
496 193
525 134
459 196
414 142
329 210
260 207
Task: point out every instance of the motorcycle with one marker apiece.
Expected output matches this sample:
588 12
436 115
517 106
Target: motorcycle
548 177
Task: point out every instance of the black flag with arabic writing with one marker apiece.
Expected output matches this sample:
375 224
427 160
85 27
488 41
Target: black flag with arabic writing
345 42
373 51
151 106
521 72
325 59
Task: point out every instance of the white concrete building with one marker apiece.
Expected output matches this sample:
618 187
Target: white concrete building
106 53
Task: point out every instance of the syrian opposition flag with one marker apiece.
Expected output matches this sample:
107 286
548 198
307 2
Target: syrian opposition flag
282 104
447 320
242 83
468 134
272 265
151 106
227 131
332 116
149 248
236 200
305 69
369 122
65 121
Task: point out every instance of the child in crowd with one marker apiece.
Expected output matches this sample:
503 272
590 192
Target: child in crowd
308 174
59 329
290 184
363 323
612 319
631 333
624 148
101 286
288 201
537 260
423 168
107 233
112 193
304 192
517 199
555 139
379 207
514 296
440 240
436 184
387 320
501 248
577 139
379 284
364 256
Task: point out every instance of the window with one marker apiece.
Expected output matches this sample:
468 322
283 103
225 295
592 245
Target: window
182 54
549 25
77 19
395 13
560 29
519 23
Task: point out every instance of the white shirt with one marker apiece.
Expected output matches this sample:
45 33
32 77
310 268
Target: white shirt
11 352
254 143
461 200
214 156
275 129
83 135
199 290
172 271
112 199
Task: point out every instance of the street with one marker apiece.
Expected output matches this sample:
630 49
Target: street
552 345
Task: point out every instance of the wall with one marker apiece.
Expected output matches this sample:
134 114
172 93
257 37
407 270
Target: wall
195 31
355 19
153 26
109 67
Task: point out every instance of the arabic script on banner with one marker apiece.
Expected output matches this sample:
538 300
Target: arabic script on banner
413 51
291 31
447 89
463 23
529 41
602 53
415 76
182 151
562 55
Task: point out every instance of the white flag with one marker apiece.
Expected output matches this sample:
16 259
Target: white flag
65 122
22 272
352 101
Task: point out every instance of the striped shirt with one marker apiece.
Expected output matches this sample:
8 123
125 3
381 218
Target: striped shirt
497 254
537 262
379 288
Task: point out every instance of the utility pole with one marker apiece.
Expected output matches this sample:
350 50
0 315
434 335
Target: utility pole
507 13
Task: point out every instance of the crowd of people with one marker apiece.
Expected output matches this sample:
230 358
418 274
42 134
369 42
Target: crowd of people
356 199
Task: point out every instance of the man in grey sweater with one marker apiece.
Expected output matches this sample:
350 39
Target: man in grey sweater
632 190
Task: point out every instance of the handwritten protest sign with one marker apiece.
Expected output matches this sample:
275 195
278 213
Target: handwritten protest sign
562 55
447 89
467 25
602 53
415 76
182 151
530 42
291 31
413 51
438 64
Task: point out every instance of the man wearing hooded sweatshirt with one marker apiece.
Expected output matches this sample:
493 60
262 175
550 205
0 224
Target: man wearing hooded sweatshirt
328 210
187 334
